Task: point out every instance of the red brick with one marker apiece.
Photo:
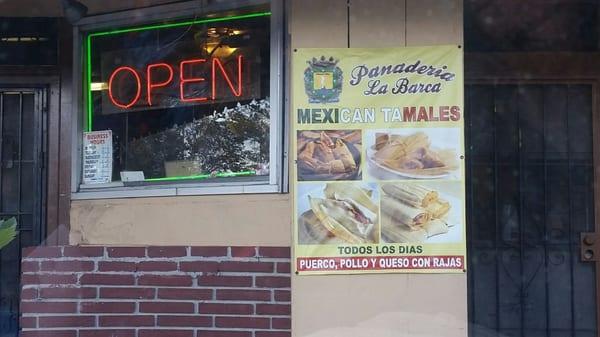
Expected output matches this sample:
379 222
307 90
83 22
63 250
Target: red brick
42 252
53 279
281 323
49 333
77 251
175 251
133 293
107 279
116 266
225 281
237 266
126 251
276 252
67 266
186 321
28 322
49 307
225 308
29 266
185 294
29 294
243 251
107 307
166 333
243 295
283 267
66 321
67 292
283 296
107 333
157 266
223 333
199 266
167 307
126 321
208 251
272 282
273 334
242 322
273 309
165 280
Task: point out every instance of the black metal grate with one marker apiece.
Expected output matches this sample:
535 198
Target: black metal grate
530 193
20 190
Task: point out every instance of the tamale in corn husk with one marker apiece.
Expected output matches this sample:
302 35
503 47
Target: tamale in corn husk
332 167
404 214
342 153
411 194
341 219
307 152
392 232
402 147
381 139
359 195
354 137
323 152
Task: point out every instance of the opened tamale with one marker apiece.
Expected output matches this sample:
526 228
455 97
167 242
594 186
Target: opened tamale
438 209
403 214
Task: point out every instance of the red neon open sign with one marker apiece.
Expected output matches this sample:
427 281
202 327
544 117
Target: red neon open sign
130 76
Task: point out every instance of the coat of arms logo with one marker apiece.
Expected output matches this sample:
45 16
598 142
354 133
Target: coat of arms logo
323 80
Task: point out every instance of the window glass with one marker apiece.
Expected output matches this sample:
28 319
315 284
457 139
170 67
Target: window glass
184 100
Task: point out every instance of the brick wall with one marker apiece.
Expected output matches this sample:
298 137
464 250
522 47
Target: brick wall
156 291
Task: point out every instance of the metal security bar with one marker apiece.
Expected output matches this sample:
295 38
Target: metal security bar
21 190
530 190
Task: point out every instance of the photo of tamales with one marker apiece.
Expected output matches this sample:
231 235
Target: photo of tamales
329 155
412 213
337 213
412 154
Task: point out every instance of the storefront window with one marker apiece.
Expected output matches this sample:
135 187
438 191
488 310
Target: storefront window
187 100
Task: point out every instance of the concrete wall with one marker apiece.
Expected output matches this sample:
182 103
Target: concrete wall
365 305
260 219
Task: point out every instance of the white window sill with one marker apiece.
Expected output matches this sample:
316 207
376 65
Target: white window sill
88 193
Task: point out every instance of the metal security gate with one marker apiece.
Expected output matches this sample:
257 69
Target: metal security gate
21 189
530 188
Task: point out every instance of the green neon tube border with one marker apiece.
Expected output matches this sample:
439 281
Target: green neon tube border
206 176
88 126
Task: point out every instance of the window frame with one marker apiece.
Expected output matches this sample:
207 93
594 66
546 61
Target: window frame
276 182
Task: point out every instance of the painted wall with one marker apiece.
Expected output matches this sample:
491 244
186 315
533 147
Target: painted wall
377 305
366 305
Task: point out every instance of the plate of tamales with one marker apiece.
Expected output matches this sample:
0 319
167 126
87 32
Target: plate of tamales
329 155
411 156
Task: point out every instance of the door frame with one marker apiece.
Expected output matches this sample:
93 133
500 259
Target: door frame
549 68
39 147
50 142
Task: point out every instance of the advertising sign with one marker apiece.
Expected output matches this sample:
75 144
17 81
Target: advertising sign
97 157
378 145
